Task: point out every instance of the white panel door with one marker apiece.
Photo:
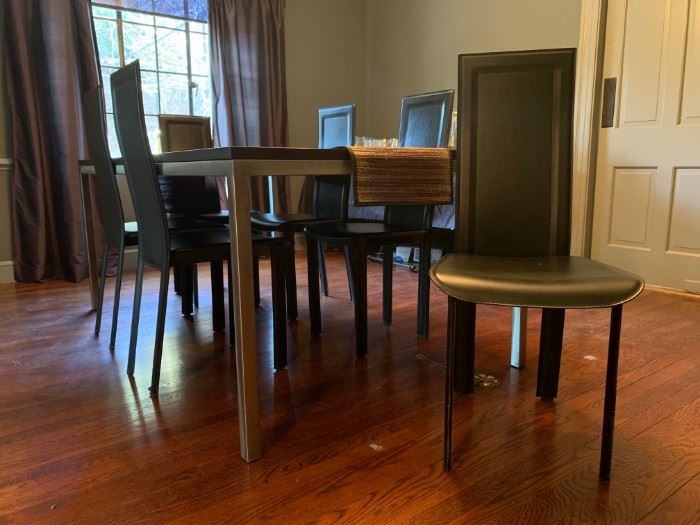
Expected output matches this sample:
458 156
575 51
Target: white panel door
647 200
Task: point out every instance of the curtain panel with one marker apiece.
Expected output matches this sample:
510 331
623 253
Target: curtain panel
249 82
50 62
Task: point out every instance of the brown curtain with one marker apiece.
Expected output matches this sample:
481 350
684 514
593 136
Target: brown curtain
50 62
248 82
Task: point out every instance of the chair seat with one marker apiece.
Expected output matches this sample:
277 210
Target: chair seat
193 246
131 228
536 282
176 223
353 229
219 217
280 220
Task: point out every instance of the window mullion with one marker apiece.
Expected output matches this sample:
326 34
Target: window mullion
185 6
120 39
189 68
155 46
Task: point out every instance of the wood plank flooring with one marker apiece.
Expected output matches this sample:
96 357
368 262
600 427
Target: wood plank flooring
345 440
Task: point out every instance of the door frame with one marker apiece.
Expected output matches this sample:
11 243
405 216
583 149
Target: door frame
587 107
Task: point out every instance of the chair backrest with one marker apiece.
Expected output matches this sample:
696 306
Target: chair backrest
425 123
187 195
183 132
154 243
108 200
336 127
515 153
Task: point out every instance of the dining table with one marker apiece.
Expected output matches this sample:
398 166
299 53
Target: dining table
239 165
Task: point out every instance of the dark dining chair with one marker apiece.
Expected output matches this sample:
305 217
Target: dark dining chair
188 199
425 122
158 247
336 127
117 234
513 220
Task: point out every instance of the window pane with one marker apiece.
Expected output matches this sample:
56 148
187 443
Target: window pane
153 133
138 5
107 42
149 87
174 91
172 23
170 7
200 28
105 12
172 50
201 96
139 42
107 87
197 9
114 150
199 53
139 18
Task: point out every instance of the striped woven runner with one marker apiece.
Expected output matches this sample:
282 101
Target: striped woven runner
397 176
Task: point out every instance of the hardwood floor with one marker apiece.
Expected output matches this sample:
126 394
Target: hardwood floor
345 440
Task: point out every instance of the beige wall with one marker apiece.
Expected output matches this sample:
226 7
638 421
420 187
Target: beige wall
413 44
326 64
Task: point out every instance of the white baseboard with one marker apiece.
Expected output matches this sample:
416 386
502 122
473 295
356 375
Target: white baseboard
7 272
130 255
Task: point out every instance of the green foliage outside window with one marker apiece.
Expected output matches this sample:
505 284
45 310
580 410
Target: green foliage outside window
174 57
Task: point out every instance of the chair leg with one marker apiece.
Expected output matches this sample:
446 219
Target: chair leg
278 264
160 331
462 322
135 317
291 279
195 286
348 268
101 292
231 325
424 287
610 394
117 294
387 282
359 270
518 337
551 340
322 268
177 279
314 292
217 296
449 386
256 280
186 291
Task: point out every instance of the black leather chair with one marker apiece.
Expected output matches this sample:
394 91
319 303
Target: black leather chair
336 127
117 234
425 122
188 199
513 219
160 248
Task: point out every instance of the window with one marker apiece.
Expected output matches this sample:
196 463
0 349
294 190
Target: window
170 38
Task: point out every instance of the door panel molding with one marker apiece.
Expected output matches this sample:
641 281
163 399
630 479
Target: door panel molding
642 87
682 238
689 111
631 207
